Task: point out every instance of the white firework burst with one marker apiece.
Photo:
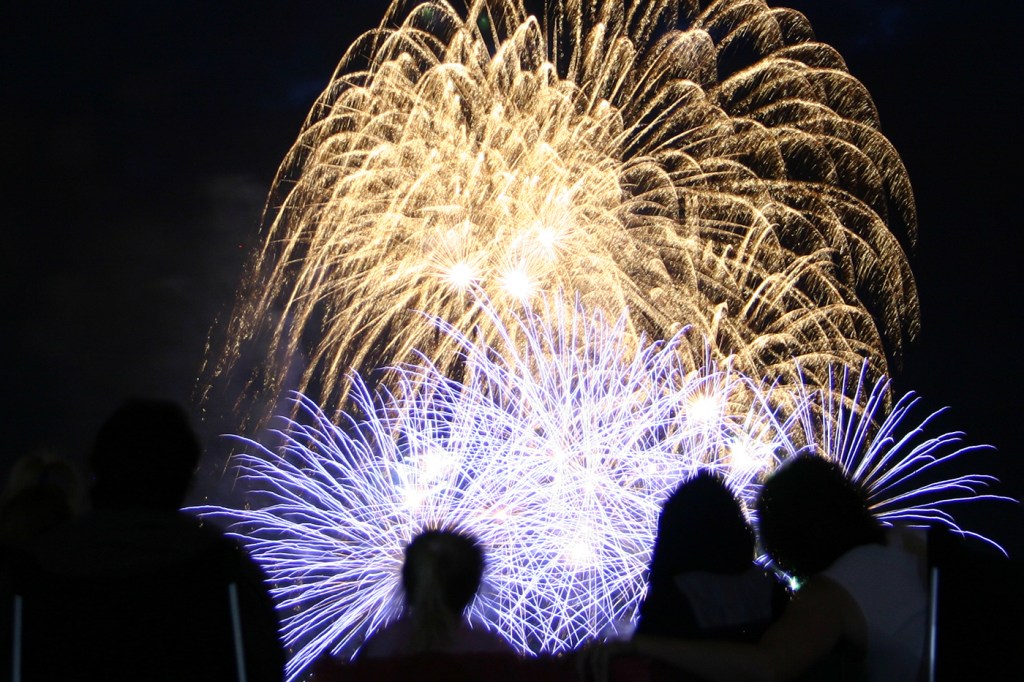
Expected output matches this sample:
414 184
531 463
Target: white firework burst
555 448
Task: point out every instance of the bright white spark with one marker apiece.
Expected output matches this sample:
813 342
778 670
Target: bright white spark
517 284
704 409
462 276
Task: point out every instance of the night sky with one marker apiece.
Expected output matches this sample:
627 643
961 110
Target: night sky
140 140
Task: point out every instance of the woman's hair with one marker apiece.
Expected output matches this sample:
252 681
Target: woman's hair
810 514
441 575
701 528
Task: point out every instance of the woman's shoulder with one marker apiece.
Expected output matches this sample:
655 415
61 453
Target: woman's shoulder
391 640
867 563
477 639
394 640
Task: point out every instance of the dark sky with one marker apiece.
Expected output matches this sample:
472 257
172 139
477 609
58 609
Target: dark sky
140 139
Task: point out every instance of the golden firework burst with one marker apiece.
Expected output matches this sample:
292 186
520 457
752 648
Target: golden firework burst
695 163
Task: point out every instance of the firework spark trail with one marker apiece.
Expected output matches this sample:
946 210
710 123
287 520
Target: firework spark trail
334 509
555 449
701 163
904 471
556 452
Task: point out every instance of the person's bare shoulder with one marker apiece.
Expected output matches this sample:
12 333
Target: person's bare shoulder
819 617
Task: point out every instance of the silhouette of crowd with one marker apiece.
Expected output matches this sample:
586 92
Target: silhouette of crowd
861 609
134 589
711 612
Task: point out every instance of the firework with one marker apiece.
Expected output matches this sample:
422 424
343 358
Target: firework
904 470
701 163
539 271
556 449
562 434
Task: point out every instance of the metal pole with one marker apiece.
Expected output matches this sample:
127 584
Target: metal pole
236 627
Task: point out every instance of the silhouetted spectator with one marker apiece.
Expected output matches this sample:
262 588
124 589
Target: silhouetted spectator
703 581
440 576
136 589
862 603
864 585
42 493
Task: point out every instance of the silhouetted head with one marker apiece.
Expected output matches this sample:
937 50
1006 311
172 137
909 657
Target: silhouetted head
42 492
810 514
702 528
441 574
144 457
446 563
